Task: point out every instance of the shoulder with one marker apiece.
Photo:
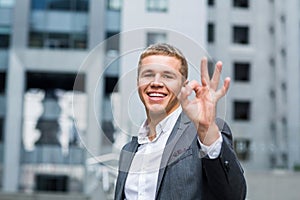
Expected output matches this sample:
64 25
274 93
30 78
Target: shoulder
130 144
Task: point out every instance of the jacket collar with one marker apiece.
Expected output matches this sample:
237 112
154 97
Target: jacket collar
176 145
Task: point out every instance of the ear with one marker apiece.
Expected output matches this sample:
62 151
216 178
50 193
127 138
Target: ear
186 82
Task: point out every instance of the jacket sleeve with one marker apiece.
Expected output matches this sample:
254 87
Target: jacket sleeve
224 176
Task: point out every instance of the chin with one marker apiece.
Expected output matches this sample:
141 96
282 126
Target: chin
157 109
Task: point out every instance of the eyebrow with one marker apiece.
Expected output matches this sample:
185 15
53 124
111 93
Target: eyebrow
163 72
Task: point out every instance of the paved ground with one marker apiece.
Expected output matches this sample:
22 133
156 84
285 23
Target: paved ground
273 185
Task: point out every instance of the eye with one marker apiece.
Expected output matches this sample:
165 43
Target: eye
148 74
168 76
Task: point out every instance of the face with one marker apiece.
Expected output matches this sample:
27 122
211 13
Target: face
159 83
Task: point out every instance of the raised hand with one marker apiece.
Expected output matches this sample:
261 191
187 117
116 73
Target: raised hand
202 108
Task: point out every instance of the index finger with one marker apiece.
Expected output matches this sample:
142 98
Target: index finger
204 71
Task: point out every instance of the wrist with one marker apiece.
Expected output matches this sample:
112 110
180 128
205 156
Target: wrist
208 135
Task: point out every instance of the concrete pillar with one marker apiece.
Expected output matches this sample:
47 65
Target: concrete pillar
92 67
96 23
13 124
293 81
15 93
21 23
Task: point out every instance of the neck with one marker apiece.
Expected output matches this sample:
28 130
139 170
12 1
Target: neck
152 120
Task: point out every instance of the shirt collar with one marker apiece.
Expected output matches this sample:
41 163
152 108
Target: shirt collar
162 127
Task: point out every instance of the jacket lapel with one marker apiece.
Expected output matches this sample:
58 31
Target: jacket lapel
125 162
174 146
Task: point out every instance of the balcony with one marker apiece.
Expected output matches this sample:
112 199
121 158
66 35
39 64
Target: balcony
53 154
59 21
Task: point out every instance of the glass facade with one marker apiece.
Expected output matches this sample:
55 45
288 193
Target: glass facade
64 5
51 148
59 24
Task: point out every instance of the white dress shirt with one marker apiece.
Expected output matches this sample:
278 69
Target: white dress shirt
142 177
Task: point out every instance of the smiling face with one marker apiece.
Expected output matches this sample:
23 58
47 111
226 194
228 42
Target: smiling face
159 83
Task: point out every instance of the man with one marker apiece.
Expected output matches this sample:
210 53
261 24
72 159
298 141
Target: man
182 151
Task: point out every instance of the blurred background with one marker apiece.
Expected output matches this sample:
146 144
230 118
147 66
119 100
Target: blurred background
68 100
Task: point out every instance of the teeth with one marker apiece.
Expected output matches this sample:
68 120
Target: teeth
156 95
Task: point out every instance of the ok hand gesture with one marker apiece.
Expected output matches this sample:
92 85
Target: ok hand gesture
202 109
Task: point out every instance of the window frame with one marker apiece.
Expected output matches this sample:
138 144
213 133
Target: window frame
247 70
241 113
238 37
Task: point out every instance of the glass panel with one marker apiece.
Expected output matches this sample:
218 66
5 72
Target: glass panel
157 5
59 4
114 4
241 3
2 82
210 2
7 3
241 34
38 4
82 5
48 115
153 38
241 110
50 137
211 32
4 41
241 71
67 5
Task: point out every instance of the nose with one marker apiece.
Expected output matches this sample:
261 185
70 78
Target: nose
156 82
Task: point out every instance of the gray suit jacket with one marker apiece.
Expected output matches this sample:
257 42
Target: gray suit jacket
183 174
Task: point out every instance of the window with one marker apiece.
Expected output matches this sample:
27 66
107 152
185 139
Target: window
153 38
68 5
4 41
47 182
1 129
241 71
40 35
241 110
2 82
114 4
58 40
211 2
113 40
157 5
241 3
47 106
242 148
51 81
241 35
111 85
210 32
211 67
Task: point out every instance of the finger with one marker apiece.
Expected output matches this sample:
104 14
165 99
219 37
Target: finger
216 76
197 88
183 95
222 91
204 71
194 85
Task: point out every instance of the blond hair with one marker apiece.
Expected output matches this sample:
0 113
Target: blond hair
165 50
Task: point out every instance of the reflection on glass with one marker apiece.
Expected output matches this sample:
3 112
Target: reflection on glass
51 142
48 119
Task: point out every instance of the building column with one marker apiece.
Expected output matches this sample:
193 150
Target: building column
13 124
293 81
97 19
